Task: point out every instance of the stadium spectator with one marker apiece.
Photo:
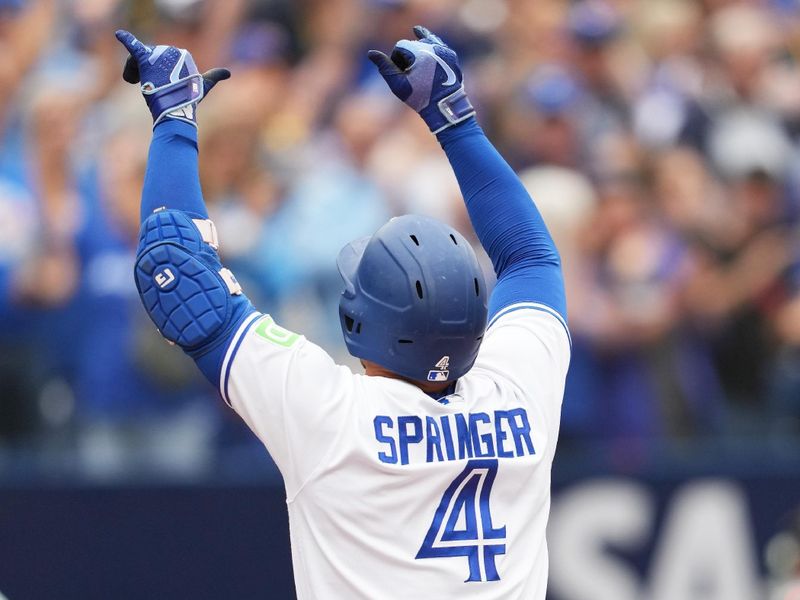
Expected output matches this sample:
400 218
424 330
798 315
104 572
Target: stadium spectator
660 136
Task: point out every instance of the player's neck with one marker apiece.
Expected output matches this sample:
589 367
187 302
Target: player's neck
373 370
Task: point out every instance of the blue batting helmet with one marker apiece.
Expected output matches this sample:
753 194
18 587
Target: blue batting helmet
414 300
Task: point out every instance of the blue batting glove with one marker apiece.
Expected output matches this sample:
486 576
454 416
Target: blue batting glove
425 75
170 82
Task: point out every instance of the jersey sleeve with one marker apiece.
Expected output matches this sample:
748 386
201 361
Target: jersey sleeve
290 393
528 346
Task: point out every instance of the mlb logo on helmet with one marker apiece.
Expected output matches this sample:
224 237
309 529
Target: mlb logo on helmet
440 373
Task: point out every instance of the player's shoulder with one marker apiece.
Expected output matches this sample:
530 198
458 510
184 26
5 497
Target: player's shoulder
526 345
530 318
263 350
260 331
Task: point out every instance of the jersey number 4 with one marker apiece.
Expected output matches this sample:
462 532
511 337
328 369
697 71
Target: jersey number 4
462 524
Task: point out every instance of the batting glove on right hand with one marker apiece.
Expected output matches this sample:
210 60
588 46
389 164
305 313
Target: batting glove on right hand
170 82
425 74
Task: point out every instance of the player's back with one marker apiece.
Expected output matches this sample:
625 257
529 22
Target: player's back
423 498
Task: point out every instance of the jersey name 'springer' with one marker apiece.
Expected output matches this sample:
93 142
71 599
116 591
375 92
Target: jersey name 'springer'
501 434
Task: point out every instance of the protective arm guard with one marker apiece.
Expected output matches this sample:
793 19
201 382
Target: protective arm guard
193 300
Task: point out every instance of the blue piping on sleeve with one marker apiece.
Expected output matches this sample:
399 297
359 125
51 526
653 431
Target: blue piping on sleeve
210 357
532 306
238 338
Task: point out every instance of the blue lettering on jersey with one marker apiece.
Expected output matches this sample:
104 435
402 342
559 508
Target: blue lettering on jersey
382 438
448 440
466 502
462 434
520 430
482 443
500 434
434 439
406 437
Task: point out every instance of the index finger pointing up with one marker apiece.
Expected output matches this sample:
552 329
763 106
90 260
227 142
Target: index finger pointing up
134 46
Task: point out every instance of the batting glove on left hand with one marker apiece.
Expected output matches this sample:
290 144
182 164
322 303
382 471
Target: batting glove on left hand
425 74
170 82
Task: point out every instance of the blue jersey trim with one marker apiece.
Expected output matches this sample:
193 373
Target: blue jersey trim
233 348
533 306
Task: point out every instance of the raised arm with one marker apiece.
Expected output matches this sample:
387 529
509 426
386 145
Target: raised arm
425 74
288 390
507 222
194 301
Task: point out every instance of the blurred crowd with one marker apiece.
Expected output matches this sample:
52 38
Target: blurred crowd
658 137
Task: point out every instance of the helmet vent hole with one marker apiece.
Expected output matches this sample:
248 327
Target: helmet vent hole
405 341
477 287
479 338
358 328
414 239
419 289
348 323
452 237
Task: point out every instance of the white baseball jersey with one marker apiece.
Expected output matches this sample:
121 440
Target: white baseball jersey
394 494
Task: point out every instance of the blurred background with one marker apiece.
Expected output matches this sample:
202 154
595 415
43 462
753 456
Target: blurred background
661 140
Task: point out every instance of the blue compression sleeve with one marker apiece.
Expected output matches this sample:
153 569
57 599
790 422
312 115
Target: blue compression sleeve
507 222
172 179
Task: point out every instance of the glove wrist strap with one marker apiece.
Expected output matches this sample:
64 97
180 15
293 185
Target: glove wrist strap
455 108
170 98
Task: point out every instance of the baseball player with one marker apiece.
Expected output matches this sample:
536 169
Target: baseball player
429 475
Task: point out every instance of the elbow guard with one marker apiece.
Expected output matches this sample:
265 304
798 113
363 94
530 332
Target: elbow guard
185 290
